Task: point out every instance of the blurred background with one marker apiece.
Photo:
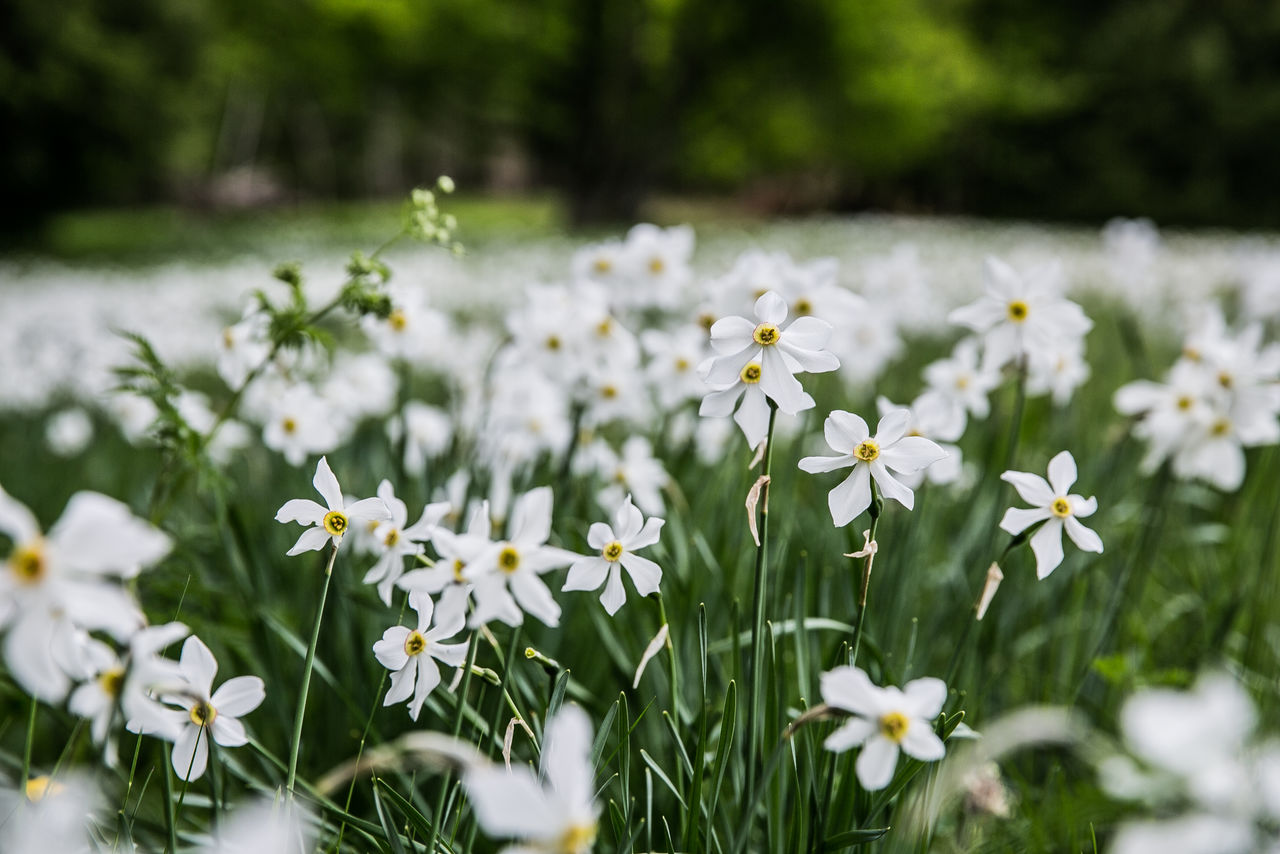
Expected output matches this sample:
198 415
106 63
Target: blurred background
999 108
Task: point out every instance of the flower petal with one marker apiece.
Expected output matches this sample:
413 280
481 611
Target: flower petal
921 742
890 487
1017 520
533 596
326 483
851 496
302 510
312 539
239 696
1062 473
853 733
646 536
817 465
893 426
850 688
369 510
586 574
1047 545
926 696
191 753
645 574
614 595
227 731
198 665
1086 538
911 454
1032 488
876 762
531 518
771 308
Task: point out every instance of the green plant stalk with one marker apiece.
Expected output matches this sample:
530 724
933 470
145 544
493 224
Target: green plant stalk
671 654
26 751
876 509
307 667
170 819
757 623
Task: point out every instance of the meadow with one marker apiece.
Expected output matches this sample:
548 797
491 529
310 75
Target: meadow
391 500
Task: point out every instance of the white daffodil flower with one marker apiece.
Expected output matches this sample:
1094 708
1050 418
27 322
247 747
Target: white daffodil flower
1019 314
264 827
395 541
752 414
780 351
147 675
299 423
52 587
871 457
617 545
206 713
506 574
411 654
964 378
553 812
456 552
1051 504
885 721
329 524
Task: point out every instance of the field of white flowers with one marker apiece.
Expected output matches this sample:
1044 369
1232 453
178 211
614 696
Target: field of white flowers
865 534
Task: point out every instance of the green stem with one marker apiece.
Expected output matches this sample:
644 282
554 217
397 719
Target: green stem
26 751
876 508
671 652
757 624
169 818
300 715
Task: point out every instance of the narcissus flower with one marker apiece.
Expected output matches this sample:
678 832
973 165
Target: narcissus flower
553 812
332 522
1051 505
885 721
617 545
871 457
411 654
395 539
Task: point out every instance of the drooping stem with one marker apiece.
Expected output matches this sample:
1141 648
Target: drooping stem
757 623
877 506
307 667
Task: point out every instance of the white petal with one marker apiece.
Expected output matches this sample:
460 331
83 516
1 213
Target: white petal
452 654
850 688
844 431
534 597
198 665
599 535
100 534
566 759
808 333
876 762
312 539
586 574
911 454
326 483
531 518
302 510
510 803
402 682
645 574
390 650
227 731
646 536
29 657
1083 506
753 416
428 679
781 386
1032 488
817 465
1017 520
851 496
1062 473
719 404
1047 545
614 595
890 487
191 753
239 696
369 510
1086 538
853 733
16 521
925 697
921 742
893 427
771 308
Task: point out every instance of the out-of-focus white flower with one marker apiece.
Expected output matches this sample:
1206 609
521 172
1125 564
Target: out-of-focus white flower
242 347
51 815
1057 370
147 675
964 378
884 721
69 432
133 414
1020 314
554 811
51 586
506 573
656 266
395 539
413 331
1055 508
206 713
425 430
941 420
411 654
617 544
635 470
299 424
871 457
264 828
361 386
446 578
329 524
673 360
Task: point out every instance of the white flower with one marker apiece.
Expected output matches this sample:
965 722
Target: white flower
885 721
410 654
1052 505
506 573
147 675
456 551
617 545
780 350
396 540
243 347
964 378
51 586
426 431
69 432
753 413
553 812
299 423
871 457
331 523
207 713
50 816
1021 314
264 828
635 470
96 698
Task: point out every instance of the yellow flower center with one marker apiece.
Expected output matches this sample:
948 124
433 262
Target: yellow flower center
203 714
706 321
397 320
750 372
1061 507
802 307
612 551
867 450
1017 311
508 559
393 537
578 839
609 392
1192 354
657 265
111 681
893 726
38 788
457 570
1221 427
414 643
962 382
228 338
605 327
1225 380
335 522
766 334
1184 402
682 365
289 425
553 342
28 562
602 265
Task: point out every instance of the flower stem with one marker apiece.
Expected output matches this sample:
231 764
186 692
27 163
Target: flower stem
877 505
307 667
757 624
671 652
437 817
26 751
